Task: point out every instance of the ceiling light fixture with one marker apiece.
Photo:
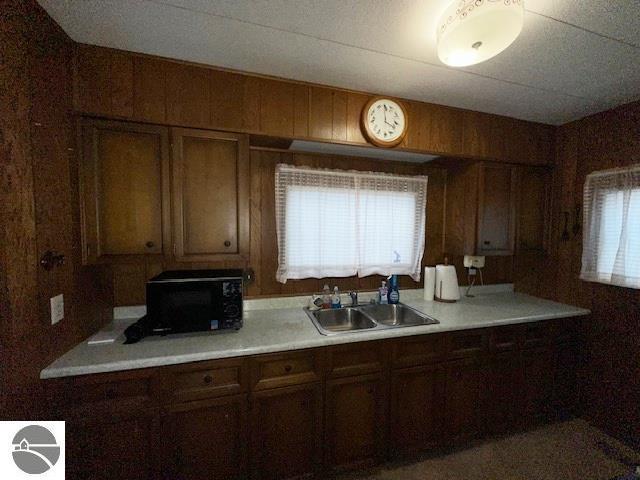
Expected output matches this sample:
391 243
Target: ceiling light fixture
472 31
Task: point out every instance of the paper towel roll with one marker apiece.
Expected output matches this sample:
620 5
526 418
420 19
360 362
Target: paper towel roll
429 283
447 289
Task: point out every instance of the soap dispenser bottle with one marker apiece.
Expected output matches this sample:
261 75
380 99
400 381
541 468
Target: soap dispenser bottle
383 293
335 298
394 293
326 297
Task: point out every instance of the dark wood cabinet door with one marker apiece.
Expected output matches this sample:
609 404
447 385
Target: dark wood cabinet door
355 421
533 209
462 400
124 188
501 392
205 440
287 432
121 446
565 381
537 374
496 209
209 194
417 401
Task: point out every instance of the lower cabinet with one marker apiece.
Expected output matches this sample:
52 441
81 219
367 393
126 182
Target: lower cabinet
565 382
286 433
462 400
501 410
300 414
355 421
113 445
417 403
537 384
205 440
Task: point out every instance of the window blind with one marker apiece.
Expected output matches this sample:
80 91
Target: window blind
336 223
611 234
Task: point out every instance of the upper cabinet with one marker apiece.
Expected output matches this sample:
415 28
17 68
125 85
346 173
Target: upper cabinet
124 177
139 198
496 209
210 194
534 209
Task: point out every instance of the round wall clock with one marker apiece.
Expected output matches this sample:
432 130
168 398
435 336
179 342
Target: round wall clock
384 122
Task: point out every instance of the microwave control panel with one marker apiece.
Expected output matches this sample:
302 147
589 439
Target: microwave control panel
232 303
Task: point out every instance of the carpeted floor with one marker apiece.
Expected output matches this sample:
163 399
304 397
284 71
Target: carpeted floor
572 450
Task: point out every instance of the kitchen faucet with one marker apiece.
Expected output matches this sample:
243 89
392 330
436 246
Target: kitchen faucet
354 298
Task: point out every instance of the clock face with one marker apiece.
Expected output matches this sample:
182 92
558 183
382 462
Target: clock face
385 122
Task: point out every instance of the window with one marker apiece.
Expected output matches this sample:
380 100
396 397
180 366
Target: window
611 242
333 223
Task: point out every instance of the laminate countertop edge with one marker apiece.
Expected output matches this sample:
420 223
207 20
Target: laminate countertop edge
288 329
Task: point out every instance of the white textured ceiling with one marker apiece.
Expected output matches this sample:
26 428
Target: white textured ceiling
573 58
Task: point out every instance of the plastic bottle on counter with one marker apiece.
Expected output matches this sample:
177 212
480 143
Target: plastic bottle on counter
394 292
335 298
326 297
383 293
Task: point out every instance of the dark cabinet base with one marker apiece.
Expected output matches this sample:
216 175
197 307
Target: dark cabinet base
311 413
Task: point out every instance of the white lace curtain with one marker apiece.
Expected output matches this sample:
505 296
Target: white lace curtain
336 223
611 235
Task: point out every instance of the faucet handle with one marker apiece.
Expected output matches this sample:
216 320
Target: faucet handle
354 298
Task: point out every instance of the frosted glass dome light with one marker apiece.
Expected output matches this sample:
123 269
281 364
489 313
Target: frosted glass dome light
472 31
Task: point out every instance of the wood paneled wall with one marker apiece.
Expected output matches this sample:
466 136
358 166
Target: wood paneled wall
129 278
612 371
39 207
137 87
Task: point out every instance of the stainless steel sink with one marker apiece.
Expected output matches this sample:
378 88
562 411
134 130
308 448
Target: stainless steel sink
366 318
397 315
341 320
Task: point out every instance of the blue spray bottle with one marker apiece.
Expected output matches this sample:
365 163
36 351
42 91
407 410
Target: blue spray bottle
394 293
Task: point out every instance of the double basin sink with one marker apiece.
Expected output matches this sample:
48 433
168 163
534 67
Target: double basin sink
366 318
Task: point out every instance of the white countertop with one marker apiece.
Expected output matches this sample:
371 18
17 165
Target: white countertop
283 329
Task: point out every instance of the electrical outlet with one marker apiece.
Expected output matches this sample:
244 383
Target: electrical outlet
57 308
473 261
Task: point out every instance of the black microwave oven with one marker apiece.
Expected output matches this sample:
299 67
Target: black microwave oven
191 301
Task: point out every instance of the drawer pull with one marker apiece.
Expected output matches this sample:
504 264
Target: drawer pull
287 368
227 243
208 379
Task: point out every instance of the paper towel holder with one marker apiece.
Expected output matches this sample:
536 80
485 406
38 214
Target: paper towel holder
450 281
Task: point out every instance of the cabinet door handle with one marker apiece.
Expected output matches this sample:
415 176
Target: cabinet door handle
227 243
208 379
487 242
149 244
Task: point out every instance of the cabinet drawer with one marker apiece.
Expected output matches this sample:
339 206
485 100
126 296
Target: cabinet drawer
113 390
283 369
205 380
411 352
505 338
86 396
356 359
535 335
467 343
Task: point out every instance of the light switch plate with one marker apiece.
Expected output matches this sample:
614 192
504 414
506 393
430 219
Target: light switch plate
57 308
